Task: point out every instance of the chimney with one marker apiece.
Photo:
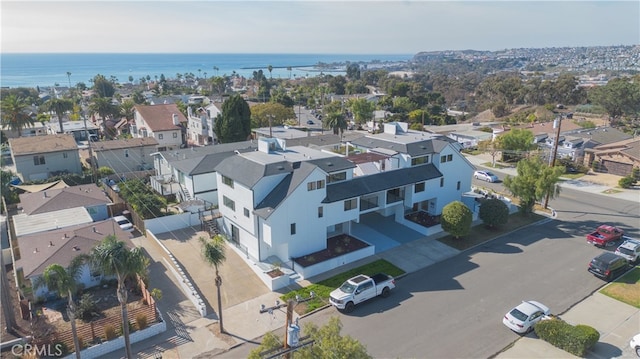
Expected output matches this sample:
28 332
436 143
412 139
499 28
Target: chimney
44 193
95 230
175 119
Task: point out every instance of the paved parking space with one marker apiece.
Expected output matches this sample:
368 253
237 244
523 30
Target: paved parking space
239 282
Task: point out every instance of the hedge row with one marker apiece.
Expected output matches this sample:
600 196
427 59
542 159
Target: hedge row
573 339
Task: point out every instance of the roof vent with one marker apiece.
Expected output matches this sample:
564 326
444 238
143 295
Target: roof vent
50 244
35 250
44 193
95 230
76 248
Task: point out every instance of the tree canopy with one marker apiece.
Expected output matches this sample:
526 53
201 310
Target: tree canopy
493 212
234 123
260 114
328 343
535 180
14 113
515 143
456 219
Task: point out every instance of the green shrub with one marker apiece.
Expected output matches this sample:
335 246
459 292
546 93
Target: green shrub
575 340
86 307
493 212
627 182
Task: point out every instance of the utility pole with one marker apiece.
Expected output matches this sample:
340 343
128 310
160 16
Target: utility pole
557 123
91 159
292 342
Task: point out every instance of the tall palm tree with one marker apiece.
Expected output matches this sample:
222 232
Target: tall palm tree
335 118
213 253
65 281
113 258
103 107
14 114
59 106
270 68
69 77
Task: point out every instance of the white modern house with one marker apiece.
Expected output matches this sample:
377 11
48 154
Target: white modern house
282 202
200 126
162 122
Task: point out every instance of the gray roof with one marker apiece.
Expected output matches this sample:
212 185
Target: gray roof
414 149
248 172
332 164
601 136
199 160
379 182
28 224
284 189
56 199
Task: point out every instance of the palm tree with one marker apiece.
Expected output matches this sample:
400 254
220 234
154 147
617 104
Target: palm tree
335 118
213 253
59 106
14 114
112 258
289 69
103 107
270 68
69 77
65 282
216 69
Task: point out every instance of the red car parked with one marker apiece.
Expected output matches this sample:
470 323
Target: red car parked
605 235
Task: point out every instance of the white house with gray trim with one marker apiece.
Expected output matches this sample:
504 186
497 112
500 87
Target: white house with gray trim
281 202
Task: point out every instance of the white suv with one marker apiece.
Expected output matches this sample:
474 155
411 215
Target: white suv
629 249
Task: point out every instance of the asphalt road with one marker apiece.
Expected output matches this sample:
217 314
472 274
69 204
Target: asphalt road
454 308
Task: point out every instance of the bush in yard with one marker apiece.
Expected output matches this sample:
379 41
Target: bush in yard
572 339
141 321
110 332
627 182
493 212
456 219
86 307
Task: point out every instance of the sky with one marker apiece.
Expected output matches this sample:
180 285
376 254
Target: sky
314 27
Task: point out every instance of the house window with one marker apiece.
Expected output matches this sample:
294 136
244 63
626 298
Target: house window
228 181
246 212
293 228
126 153
441 181
65 155
458 186
320 212
320 184
419 187
229 203
350 204
311 186
38 160
175 135
447 158
160 136
419 160
336 177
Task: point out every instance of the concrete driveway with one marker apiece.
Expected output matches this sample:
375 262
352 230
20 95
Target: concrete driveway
239 282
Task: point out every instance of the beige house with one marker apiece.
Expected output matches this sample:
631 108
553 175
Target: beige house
618 158
128 155
165 123
41 157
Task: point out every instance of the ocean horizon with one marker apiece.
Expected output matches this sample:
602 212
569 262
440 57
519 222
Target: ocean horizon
49 69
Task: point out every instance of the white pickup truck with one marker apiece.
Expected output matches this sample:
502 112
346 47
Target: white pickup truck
360 288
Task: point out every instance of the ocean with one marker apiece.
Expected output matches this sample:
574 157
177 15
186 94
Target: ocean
44 70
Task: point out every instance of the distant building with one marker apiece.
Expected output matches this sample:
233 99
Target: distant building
41 157
165 123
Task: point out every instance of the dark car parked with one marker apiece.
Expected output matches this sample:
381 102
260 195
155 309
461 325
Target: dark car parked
608 266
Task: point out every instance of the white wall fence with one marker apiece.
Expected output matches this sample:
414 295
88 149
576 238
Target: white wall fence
310 271
107 347
178 272
171 223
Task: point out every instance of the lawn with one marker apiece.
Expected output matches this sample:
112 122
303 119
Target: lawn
480 233
323 288
626 288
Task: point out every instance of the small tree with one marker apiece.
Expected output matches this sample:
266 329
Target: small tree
535 181
234 123
456 219
493 212
328 343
